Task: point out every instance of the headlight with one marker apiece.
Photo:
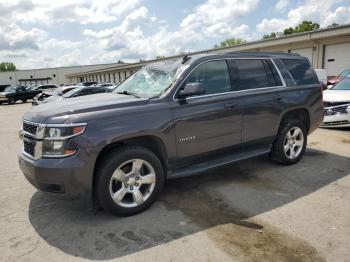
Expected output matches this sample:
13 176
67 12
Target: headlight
63 132
56 140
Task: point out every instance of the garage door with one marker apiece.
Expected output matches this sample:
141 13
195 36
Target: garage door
306 52
336 58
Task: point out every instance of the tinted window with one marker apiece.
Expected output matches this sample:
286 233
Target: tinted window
213 76
272 74
301 71
253 73
98 90
85 91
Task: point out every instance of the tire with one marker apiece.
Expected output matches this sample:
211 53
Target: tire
24 100
115 175
11 101
283 147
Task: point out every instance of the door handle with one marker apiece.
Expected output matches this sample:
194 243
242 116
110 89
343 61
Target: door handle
278 98
230 106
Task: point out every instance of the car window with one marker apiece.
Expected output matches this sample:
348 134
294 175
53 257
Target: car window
99 90
301 71
253 73
85 91
345 73
213 76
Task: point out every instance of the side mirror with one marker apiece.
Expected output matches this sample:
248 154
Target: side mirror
191 89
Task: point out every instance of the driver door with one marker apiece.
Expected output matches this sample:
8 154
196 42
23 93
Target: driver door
209 122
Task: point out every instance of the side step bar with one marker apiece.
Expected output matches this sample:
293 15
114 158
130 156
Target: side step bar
227 159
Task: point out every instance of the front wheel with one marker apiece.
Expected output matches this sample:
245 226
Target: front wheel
129 180
290 144
11 101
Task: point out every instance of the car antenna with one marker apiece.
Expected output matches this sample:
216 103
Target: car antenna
185 59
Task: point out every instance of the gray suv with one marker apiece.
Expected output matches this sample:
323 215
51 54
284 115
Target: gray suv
171 119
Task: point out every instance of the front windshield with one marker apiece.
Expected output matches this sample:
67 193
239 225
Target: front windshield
152 80
10 89
71 92
58 92
342 85
345 73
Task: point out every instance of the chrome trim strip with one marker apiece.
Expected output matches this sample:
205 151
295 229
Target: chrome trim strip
65 125
278 71
230 92
59 156
337 106
62 138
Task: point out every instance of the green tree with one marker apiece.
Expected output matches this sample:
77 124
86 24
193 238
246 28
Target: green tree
304 26
7 66
270 36
120 62
231 42
332 25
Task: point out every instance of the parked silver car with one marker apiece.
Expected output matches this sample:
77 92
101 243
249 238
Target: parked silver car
337 105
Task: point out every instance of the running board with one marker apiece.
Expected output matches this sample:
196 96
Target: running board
227 159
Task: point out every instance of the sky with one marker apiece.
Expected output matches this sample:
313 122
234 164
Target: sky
42 33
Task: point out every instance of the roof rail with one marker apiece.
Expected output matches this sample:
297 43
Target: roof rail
248 53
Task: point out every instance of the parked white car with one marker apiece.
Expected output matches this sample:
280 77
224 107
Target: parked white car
337 105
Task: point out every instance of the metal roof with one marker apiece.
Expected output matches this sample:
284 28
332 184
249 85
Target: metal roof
286 39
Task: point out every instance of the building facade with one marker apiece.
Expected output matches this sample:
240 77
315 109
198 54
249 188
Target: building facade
325 48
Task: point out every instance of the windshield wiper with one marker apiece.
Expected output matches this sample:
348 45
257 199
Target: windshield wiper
128 94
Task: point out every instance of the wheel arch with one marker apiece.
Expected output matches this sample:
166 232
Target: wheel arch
151 142
299 114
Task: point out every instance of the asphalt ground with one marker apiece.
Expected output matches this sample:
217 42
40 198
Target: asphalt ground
254 210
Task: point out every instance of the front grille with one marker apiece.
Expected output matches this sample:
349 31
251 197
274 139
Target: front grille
336 123
29 147
30 128
337 110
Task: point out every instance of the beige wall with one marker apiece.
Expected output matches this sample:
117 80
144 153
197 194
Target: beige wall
60 74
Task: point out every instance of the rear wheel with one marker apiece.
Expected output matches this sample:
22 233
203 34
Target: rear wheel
129 180
24 100
290 144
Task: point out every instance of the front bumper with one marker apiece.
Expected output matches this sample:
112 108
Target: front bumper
334 121
67 177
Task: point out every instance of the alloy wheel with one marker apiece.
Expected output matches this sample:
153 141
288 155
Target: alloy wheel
293 143
132 183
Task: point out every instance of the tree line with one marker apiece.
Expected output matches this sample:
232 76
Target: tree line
304 26
7 66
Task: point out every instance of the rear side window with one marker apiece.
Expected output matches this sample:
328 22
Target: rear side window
98 90
253 73
214 77
301 71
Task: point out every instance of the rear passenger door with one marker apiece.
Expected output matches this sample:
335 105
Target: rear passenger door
261 94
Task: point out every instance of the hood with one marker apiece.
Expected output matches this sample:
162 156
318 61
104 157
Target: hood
336 95
77 108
